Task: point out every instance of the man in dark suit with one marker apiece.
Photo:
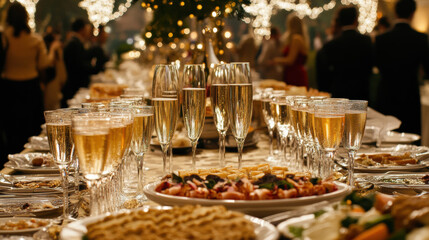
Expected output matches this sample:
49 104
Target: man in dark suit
344 64
77 60
399 54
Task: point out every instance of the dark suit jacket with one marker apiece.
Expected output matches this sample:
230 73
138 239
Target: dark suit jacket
344 66
78 66
399 55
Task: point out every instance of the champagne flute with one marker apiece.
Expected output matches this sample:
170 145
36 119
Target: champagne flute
166 109
90 135
58 128
219 96
354 127
269 120
241 104
329 127
194 103
142 134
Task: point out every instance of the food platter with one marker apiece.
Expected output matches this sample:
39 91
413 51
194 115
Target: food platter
30 206
258 208
23 163
76 230
399 180
32 184
420 153
28 225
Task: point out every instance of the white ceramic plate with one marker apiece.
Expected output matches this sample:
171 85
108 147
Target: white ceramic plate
283 227
14 207
7 184
22 163
76 230
419 152
21 231
396 137
258 208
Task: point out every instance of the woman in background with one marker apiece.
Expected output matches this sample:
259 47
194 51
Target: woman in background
20 94
295 53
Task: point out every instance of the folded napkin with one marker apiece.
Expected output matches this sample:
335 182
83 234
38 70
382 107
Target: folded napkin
380 124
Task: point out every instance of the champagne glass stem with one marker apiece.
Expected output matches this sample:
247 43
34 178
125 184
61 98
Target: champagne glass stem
64 176
140 169
240 144
76 172
270 134
329 158
93 197
352 155
279 148
165 148
170 158
194 149
222 149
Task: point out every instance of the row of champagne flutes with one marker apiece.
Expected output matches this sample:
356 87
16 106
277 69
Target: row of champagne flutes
315 126
102 135
231 98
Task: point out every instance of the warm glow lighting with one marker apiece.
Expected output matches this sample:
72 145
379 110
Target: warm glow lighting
229 45
101 12
182 45
228 34
214 14
148 34
170 35
215 30
199 6
194 35
179 23
159 44
200 46
186 31
263 10
173 46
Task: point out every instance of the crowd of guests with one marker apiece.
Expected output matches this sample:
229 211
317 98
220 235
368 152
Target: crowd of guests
41 73
346 64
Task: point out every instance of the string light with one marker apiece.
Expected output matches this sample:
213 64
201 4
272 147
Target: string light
101 12
262 10
30 6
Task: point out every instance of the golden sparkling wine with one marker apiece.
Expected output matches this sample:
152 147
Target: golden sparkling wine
329 130
117 144
282 117
302 123
92 152
60 142
219 96
294 119
166 114
240 107
142 132
194 111
354 128
310 126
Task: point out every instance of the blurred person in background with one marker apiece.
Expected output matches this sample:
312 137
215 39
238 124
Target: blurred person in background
96 52
400 53
344 64
77 60
20 93
246 49
271 48
53 77
295 53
